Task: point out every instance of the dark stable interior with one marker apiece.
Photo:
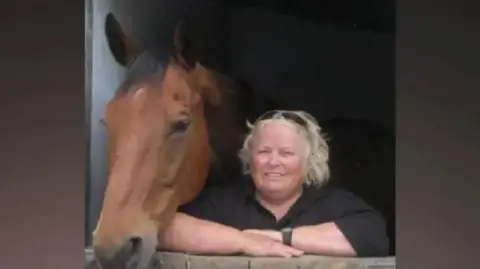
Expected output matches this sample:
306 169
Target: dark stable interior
333 59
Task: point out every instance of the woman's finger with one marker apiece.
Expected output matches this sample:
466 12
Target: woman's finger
286 251
293 251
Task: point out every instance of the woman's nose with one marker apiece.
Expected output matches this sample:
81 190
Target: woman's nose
273 159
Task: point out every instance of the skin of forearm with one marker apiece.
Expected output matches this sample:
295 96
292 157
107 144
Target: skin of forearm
322 239
189 234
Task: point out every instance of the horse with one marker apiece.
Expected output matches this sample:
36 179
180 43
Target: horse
166 125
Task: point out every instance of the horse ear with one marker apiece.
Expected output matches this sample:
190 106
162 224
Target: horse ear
178 42
122 46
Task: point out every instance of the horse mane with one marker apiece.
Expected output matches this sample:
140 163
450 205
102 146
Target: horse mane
226 127
142 68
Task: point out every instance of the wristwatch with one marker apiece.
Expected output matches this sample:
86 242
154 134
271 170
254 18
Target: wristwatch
287 236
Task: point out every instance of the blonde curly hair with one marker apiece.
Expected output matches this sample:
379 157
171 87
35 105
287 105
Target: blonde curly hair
316 167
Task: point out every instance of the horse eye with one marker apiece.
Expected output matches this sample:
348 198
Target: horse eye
179 126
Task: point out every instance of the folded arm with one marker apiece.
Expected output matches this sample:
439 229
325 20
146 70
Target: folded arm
321 239
198 228
324 239
190 234
355 230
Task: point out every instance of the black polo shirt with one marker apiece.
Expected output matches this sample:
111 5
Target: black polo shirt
236 206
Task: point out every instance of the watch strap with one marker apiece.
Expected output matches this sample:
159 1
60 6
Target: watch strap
287 236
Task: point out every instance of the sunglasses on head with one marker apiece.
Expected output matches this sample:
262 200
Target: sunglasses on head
290 116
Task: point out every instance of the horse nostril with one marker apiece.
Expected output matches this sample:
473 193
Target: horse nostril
126 256
135 245
133 252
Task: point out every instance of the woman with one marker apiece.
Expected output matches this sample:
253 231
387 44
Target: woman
284 208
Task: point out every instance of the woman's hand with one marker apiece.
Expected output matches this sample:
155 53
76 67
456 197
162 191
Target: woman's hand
258 243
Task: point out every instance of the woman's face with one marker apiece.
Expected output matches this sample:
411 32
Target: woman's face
278 155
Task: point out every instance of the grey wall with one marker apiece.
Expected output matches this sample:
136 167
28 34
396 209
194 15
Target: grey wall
104 74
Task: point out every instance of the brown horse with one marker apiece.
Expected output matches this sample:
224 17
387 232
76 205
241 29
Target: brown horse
159 147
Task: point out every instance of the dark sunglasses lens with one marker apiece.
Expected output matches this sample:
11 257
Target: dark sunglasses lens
289 116
268 115
295 118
